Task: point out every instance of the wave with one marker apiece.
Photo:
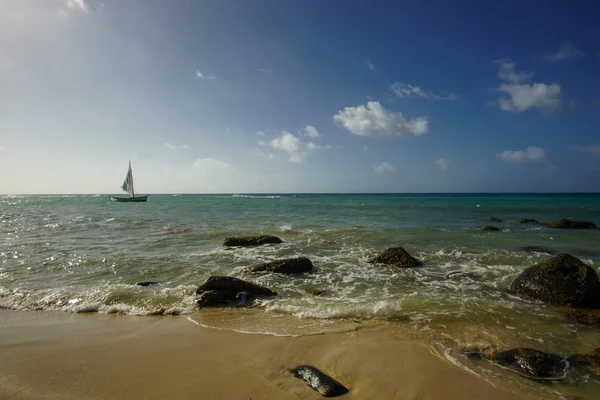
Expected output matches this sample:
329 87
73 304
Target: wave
249 196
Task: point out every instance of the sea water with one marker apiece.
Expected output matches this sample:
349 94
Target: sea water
84 253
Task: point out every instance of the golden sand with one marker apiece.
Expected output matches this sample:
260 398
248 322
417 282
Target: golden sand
66 356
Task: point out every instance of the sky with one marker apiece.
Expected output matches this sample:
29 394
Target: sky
270 96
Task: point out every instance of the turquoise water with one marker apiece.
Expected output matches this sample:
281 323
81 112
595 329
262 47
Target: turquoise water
74 252
85 254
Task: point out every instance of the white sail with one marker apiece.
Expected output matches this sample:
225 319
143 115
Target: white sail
128 183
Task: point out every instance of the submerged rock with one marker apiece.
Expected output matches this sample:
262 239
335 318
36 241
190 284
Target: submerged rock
146 283
589 361
528 221
397 256
585 316
285 266
489 228
251 240
494 219
227 290
324 384
565 223
531 363
538 249
561 280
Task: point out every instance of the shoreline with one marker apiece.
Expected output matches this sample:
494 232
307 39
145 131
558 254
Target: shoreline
54 355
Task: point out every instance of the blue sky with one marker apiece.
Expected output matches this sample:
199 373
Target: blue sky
299 96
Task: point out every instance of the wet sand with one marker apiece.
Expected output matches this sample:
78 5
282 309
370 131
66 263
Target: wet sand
47 355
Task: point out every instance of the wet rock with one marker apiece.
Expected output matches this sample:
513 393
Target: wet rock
561 280
397 256
315 291
565 223
325 385
528 221
589 361
146 283
296 265
585 316
489 228
538 249
494 219
251 240
531 363
226 290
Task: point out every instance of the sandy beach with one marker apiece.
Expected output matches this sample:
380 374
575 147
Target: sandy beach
68 356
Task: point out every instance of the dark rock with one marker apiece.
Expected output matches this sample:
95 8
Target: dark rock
494 219
146 283
285 266
231 284
565 223
226 290
489 228
585 316
532 364
561 280
589 361
538 249
325 385
528 221
251 240
396 256
315 291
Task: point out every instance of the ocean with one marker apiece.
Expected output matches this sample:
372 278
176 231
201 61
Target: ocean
82 253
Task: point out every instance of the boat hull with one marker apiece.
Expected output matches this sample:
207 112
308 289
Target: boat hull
135 199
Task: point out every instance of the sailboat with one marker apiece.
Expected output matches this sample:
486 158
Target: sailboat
128 187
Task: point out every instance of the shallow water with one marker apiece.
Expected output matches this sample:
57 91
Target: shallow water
84 253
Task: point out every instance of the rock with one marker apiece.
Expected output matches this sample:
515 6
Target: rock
315 291
589 361
226 290
585 316
494 219
325 385
285 266
561 280
531 363
397 256
251 240
565 223
146 283
231 284
528 221
538 249
489 228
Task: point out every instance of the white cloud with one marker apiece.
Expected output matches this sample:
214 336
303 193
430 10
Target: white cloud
78 4
531 155
173 147
522 97
566 51
260 133
376 121
370 65
265 70
200 75
294 147
383 167
593 150
403 90
442 164
211 165
506 72
311 131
